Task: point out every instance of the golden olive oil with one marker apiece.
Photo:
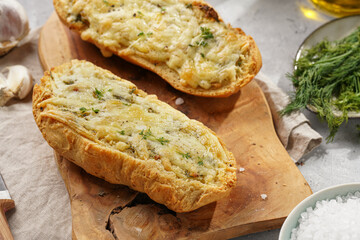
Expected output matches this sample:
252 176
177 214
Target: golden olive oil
339 8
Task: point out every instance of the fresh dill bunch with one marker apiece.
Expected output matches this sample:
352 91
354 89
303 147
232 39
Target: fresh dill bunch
327 78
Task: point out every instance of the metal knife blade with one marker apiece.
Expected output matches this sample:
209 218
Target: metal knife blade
4 192
6 203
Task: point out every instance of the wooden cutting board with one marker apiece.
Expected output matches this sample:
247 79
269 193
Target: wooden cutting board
102 211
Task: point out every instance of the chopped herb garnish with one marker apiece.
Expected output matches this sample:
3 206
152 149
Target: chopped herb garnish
126 104
190 45
69 82
145 134
122 132
95 110
149 34
203 55
200 163
51 76
202 43
162 140
163 10
110 90
205 33
327 77
82 109
106 2
141 34
98 94
132 90
185 155
189 5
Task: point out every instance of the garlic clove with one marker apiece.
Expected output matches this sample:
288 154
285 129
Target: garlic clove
14 24
18 83
5 93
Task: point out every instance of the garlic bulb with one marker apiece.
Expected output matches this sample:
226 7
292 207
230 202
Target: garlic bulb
18 83
14 24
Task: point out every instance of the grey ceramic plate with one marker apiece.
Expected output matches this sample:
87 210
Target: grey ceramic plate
333 30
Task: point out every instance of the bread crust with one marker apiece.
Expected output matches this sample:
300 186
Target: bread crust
168 74
120 168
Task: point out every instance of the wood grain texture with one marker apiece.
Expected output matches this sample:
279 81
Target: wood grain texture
243 121
5 233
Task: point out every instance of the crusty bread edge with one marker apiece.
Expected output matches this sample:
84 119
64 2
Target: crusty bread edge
169 75
96 158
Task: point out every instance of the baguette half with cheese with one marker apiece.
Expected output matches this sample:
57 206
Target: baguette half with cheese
184 42
118 133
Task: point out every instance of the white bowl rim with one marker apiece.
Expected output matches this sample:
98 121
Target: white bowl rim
330 193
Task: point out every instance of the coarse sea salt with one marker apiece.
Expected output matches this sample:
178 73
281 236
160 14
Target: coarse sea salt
179 101
331 219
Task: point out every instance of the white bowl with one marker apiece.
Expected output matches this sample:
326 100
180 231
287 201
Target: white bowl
291 221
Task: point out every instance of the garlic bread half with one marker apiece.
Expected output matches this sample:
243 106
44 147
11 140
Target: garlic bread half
184 42
116 132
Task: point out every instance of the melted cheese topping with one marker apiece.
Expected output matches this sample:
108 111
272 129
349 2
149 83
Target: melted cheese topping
111 111
204 52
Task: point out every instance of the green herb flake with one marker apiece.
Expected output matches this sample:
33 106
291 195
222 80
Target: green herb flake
141 34
140 14
106 2
82 109
95 110
202 55
132 90
145 134
122 132
162 140
98 94
185 155
163 10
69 82
327 76
189 5
205 33
200 163
202 43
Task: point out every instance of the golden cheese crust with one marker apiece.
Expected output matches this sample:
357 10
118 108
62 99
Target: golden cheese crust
117 132
184 42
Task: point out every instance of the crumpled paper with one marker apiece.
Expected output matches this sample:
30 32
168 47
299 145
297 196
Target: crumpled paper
293 130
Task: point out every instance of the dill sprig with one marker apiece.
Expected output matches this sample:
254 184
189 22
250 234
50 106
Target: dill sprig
327 77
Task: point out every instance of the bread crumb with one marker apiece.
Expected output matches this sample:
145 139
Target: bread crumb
263 196
241 169
179 101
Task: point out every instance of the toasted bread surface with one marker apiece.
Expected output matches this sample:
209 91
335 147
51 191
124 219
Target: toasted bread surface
117 132
184 42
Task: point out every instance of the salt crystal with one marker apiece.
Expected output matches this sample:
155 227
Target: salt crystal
241 169
179 101
263 196
336 218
